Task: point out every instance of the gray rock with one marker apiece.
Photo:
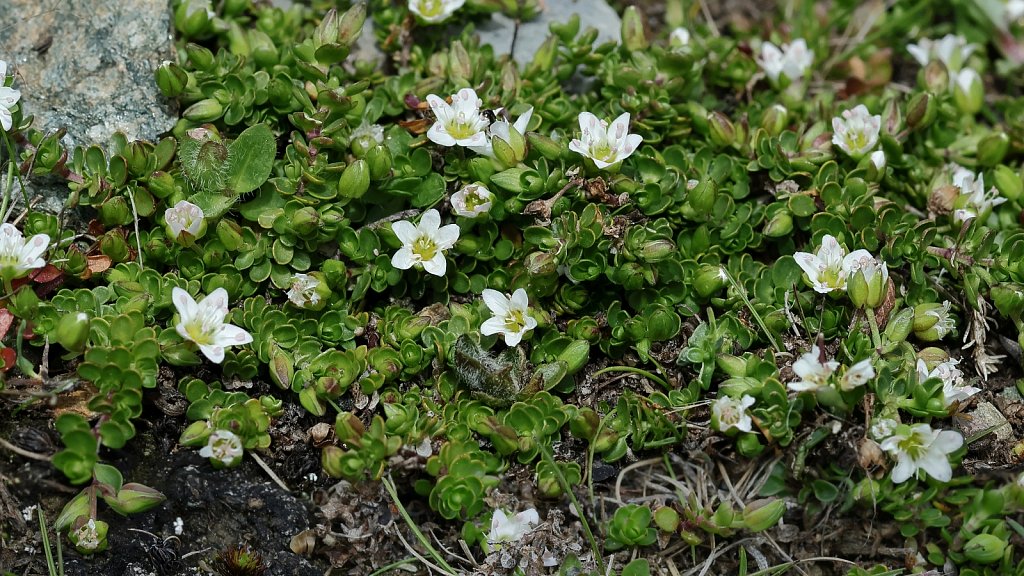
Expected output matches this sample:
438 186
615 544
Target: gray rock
87 65
593 13
984 417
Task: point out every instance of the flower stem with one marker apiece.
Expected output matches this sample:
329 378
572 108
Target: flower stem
638 371
390 487
875 337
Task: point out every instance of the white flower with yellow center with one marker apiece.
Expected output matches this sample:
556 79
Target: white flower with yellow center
830 268
434 11
472 200
605 145
921 448
184 217
8 99
790 62
953 387
303 292
857 375
424 244
511 315
813 371
856 132
224 446
728 412
19 256
511 529
459 123
203 323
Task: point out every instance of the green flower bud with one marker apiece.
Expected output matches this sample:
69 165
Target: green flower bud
504 153
633 36
775 119
584 423
331 460
350 25
899 326
575 356
657 250
171 79
721 130
667 519
867 286
305 221
540 264
133 498
1008 182
230 235
724 516
932 322
985 548
206 110
378 159
547 147
734 366
932 356
264 52
115 212
605 441
749 446
113 245
758 517
355 180
72 331
282 368
921 111
327 31
544 57
702 197
161 184
710 280
193 18
867 491
936 77
781 224
1008 299
969 92
348 428
460 68
200 56
238 41
992 148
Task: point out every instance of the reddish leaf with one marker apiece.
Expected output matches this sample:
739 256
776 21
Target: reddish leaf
98 263
8 356
46 274
6 321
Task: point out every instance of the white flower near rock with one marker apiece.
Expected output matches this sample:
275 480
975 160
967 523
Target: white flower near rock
511 529
424 244
829 268
951 50
788 62
953 387
472 200
511 315
203 323
302 291
974 199
605 144
184 217
728 413
434 11
501 129
224 447
918 447
813 372
857 375
8 99
459 123
19 256
856 131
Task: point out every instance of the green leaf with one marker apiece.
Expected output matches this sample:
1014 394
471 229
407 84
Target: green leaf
78 506
107 474
251 159
213 204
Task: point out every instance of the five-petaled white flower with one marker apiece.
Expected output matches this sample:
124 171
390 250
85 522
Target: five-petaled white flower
953 387
831 267
951 50
605 145
500 129
19 256
224 446
459 123
511 315
791 61
203 323
511 529
303 292
472 200
857 375
813 371
975 200
856 133
8 98
424 244
921 448
184 217
434 11
728 412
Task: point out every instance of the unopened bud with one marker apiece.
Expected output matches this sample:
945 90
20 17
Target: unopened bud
206 110
721 130
633 36
351 24
899 326
759 518
171 79
921 111
992 149
936 77
775 119
968 91
710 280
460 67
192 18
1008 183
355 180
781 224
72 331
985 548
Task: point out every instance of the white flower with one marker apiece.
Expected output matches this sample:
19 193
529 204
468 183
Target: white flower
882 428
511 316
472 200
302 292
976 200
1014 10
179 526
681 36
501 129
434 10
878 158
944 321
965 79
505 529
830 268
951 50
88 537
224 446
857 375
813 373
8 98
17 255
791 61
863 261
921 448
203 323
729 412
425 243
459 123
953 387
604 144
184 217
856 133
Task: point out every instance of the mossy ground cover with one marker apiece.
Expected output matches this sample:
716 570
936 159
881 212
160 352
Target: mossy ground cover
717 298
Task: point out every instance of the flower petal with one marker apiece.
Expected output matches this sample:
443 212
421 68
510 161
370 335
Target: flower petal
185 304
231 335
403 259
214 353
447 236
430 221
496 302
405 231
493 325
437 265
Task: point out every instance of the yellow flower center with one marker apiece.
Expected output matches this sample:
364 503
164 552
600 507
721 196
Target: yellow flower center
430 8
515 321
425 248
